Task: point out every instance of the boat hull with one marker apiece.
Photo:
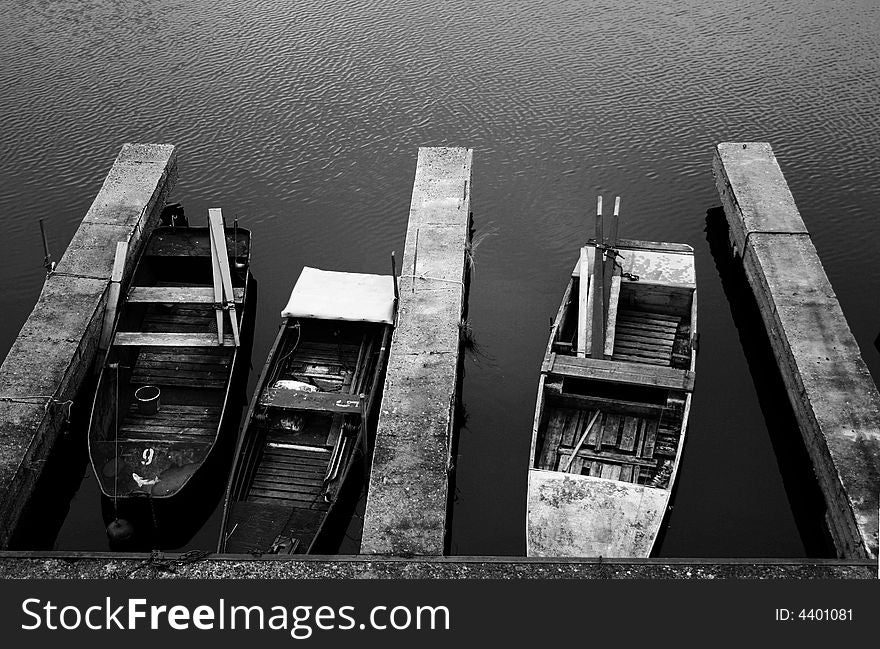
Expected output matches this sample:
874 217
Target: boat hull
609 428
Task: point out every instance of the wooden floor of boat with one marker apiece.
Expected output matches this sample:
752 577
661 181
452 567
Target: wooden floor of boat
285 498
200 367
294 477
643 337
181 423
618 447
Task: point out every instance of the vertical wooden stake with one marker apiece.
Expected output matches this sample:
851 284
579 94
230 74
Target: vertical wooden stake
598 315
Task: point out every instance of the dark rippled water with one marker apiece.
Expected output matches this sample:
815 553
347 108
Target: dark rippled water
304 118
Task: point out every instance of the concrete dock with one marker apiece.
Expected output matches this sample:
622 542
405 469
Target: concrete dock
72 565
831 391
407 500
41 376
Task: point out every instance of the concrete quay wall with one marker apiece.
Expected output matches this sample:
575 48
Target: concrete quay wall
829 386
44 369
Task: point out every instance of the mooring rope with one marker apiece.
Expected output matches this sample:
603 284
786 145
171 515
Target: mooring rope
28 400
436 279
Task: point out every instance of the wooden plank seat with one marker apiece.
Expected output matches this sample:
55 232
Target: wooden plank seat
178 294
170 339
618 372
280 397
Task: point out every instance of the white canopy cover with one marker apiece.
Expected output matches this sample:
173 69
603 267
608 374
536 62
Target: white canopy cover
332 295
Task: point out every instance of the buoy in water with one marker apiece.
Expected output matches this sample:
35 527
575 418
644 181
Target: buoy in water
119 530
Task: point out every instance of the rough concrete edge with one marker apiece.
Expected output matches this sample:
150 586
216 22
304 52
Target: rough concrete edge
381 537
830 477
740 240
175 566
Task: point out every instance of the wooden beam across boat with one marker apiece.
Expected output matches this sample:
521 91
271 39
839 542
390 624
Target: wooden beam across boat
605 370
279 397
178 294
166 339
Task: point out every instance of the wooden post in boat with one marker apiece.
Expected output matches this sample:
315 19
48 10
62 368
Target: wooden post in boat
218 237
218 283
112 298
598 315
584 304
581 441
611 242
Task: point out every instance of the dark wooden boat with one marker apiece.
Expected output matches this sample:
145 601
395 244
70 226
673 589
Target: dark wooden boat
308 419
613 402
166 340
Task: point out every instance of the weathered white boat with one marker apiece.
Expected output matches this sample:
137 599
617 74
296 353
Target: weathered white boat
613 401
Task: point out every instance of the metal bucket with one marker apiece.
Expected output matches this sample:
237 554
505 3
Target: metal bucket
147 397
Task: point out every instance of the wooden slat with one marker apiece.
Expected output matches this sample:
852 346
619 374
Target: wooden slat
617 406
626 471
650 439
640 359
649 316
584 332
552 436
628 330
628 436
608 457
637 470
178 294
167 339
613 299
168 433
609 430
611 370
572 428
596 469
611 471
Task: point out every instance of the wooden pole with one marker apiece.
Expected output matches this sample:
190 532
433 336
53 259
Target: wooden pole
581 441
218 284
598 315
47 258
219 234
394 277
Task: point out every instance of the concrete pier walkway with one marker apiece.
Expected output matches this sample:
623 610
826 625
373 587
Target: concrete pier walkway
408 492
43 371
831 391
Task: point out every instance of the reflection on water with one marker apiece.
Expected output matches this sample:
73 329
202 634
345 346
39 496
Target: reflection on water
303 120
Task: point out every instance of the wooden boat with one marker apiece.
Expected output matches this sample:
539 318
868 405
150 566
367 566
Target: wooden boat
613 400
167 343
314 402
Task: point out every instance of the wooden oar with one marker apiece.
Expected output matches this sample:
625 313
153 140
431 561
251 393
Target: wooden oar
219 235
598 338
112 298
581 442
218 283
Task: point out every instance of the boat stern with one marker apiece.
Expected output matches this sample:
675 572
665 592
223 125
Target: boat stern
572 515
